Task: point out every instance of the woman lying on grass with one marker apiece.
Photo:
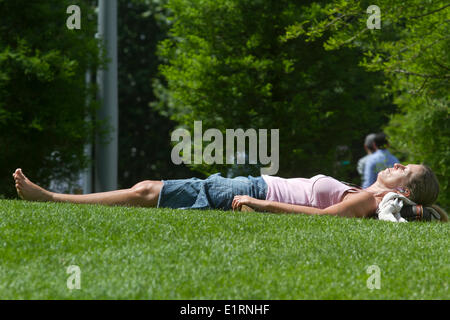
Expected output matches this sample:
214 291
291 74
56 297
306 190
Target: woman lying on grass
321 194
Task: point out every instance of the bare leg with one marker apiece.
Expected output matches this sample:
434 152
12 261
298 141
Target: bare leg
143 194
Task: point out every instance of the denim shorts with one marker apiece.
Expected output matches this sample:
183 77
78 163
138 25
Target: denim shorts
215 192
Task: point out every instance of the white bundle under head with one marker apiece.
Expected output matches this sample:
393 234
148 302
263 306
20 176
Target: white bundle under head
389 208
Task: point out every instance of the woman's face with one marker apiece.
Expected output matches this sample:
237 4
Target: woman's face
399 175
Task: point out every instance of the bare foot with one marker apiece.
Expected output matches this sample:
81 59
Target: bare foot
27 190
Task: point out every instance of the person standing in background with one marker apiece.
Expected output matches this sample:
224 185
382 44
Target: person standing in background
378 160
368 146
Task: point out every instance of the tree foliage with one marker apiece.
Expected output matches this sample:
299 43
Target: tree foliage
412 50
229 64
42 89
144 134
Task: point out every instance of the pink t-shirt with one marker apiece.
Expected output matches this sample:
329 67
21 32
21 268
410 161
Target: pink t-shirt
319 192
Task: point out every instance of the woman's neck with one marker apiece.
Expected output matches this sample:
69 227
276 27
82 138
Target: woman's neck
378 191
376 188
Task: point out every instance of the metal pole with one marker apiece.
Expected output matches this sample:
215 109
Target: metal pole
106 153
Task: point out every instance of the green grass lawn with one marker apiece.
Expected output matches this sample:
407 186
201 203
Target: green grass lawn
138 253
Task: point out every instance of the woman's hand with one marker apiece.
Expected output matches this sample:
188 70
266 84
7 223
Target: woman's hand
238 201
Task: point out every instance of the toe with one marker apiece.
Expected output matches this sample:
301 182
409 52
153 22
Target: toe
16 174
20 174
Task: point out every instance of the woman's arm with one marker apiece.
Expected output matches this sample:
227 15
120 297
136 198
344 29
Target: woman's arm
359 205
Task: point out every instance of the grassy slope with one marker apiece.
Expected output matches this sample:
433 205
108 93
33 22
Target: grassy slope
137 253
